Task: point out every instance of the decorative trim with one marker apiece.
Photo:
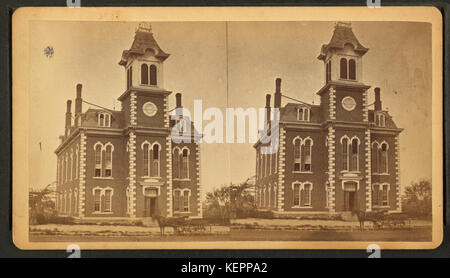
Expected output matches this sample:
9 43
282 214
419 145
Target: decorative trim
368 151
331 168
133 109
332 103
169 175
199 185
82 178
281 169
397 173
132 174
365 107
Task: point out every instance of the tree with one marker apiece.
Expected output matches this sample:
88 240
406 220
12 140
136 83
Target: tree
417 199
41 205
233 201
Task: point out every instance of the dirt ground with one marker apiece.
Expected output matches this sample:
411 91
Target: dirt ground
411 234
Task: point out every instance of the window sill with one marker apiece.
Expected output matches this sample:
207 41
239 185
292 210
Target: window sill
103 178
182 179
302 172
302 207
345 79
380 174
101 212
381 207
181 212
147 177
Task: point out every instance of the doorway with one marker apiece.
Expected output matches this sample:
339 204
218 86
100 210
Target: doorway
150 206
349 200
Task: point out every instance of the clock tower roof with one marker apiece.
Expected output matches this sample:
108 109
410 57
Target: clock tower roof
143 40
342 35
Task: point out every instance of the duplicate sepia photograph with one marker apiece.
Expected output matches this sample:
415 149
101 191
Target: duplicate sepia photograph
207 128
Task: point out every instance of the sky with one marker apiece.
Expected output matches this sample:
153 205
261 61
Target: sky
232 65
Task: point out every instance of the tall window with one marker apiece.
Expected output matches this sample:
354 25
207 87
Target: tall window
355 155
144 74
67 167
328 71
176 200
186 201
305 195
185 164
176 163
108 161
380 195
350 154
151 154
380 158
155 162
302 194
297 153
76 162
71 165
153 76
343 63
75 196
347 69
98 161
108 196
146 153
351 69
97 195
70 201
307 155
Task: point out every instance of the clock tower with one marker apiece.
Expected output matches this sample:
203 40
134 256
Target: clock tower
146 118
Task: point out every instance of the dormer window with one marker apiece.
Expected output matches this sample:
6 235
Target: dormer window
347 69
303 114
380 119
104 119
148 75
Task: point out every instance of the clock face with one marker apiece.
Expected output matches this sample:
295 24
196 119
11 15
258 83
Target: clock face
149 109
348 103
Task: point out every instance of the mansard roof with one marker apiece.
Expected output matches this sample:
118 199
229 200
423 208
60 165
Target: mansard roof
342 35
143 40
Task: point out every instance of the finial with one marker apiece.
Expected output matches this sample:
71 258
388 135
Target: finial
346 24
144 27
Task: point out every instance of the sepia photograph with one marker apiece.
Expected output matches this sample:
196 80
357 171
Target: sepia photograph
242 128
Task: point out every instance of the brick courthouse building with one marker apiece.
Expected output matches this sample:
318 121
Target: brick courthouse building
341 155
124 164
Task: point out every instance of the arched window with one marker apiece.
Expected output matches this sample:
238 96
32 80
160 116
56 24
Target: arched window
185 164
98 160
176 163
303 114
300 114
355 155
155 161
307 146
380 119
375 158
67 167
306 195
186 202
384 158
176 200
345 154
107 200
153 76
146 161
108 161
97 196
297 154
144 74
297 194
351 69
343 64
380 195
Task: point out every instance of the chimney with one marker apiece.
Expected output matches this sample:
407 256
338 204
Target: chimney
179 107
378 105
68 116
277 98
268 113
78 101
